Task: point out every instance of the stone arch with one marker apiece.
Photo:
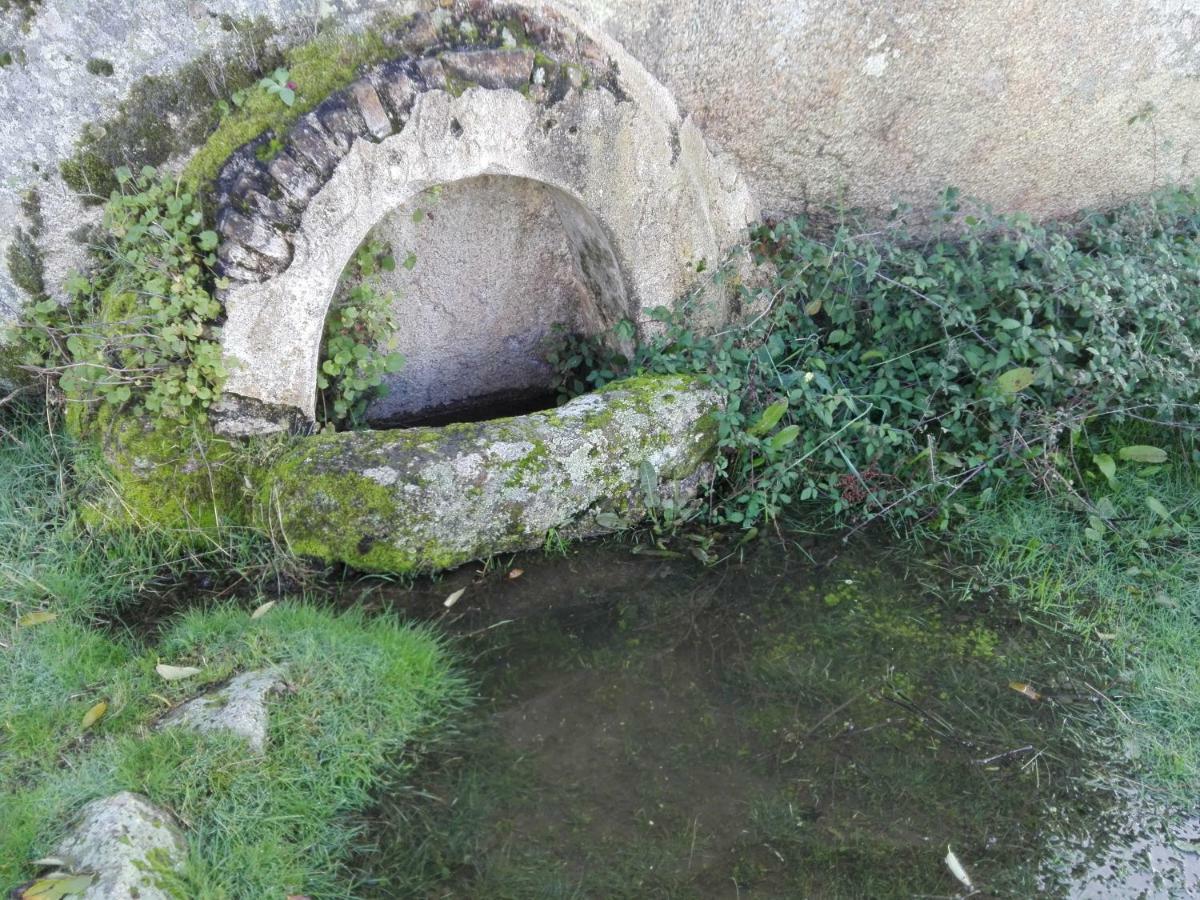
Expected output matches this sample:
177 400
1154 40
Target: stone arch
641 199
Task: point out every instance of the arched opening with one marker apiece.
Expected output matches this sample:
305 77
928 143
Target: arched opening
488 269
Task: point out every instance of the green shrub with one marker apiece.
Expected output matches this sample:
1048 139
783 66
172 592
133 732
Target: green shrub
139 331
886 372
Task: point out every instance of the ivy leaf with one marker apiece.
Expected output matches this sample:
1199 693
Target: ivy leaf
1015 380
784 438
1140 453
769 419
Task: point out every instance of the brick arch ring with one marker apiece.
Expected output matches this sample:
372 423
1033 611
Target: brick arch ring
641 198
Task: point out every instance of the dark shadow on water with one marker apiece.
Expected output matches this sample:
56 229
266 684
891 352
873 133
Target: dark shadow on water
777 726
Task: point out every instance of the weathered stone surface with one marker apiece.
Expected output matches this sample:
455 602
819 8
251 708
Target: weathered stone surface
640 202
495 273
370 107
124 841
397 88
239 707
432 498
255 234
297 182
240 417
432 74
340 119
493 69
317 146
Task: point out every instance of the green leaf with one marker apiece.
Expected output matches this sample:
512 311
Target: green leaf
287 95
418 216
769 419
207 240
784 438
1015 380
1156 506
56 887
1106 465
123 174
410 261
1140 453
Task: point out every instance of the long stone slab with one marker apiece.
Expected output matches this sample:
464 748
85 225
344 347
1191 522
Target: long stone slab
434 498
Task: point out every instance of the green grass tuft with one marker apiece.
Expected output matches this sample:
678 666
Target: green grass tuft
1128 581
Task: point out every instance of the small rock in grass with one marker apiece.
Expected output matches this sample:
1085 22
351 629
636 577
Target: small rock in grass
240 707
127 844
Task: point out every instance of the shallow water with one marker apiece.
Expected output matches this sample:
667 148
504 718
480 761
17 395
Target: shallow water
789 723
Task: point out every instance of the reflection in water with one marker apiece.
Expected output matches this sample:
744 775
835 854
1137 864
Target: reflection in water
778 726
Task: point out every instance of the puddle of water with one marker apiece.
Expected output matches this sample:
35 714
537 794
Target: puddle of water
778 727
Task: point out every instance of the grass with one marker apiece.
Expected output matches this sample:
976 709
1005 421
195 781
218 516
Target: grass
1125 577
52 558
366 695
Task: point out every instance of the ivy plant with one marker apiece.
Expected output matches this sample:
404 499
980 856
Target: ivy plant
139 329
898 372
359 346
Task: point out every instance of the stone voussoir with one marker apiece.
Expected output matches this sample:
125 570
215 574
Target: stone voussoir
492 69
255 234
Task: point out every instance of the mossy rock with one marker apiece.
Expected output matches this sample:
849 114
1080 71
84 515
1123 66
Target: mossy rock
434 498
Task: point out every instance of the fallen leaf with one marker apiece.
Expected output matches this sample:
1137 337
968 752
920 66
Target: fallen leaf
515 574
957 870
175 673
93 715
1140 453
455 597
47 862
263 610
1027 689
41 617
56 887
1105 636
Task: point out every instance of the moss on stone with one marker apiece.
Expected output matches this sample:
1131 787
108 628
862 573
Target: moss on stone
167 115
320 67
98 66
173 477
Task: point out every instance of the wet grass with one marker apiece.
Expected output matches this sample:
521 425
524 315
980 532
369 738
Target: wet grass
1127 581
367 692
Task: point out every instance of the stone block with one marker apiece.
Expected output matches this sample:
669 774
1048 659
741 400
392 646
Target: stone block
370 107
254 234
493 69
297 182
